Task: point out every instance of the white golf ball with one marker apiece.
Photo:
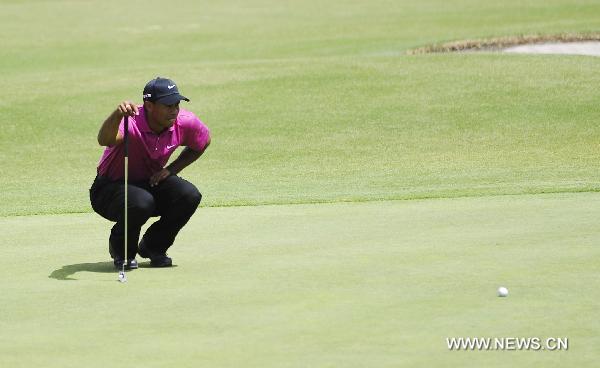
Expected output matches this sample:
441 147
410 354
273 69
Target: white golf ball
122 277
502 291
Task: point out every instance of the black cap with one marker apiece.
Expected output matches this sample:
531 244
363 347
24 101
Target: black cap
164 91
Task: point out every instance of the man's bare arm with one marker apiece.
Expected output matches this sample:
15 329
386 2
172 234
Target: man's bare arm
109 131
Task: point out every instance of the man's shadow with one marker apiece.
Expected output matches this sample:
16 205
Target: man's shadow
66 272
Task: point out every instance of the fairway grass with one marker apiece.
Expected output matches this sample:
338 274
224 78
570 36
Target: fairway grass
330 130
375 284
306 101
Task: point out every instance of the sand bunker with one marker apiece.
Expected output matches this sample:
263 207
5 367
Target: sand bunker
563 43
570 48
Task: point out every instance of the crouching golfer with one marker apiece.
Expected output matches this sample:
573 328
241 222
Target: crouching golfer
156 129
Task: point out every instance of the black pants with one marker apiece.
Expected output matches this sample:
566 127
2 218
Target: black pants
174 199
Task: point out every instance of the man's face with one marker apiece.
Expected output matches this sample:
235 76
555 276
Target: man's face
163 115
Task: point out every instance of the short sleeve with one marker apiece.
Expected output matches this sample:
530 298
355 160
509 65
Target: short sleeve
197 134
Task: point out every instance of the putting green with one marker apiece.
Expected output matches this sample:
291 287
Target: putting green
374 284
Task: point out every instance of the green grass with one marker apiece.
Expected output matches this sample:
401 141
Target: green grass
428 177
307 102
377 284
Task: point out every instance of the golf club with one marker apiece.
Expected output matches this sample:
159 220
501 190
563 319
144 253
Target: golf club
122 277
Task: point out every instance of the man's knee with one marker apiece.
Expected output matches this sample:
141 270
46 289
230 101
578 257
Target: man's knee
141 206
190 196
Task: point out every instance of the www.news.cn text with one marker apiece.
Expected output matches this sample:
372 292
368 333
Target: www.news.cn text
507 343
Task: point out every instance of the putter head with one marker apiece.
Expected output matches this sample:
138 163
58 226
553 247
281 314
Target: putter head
122 277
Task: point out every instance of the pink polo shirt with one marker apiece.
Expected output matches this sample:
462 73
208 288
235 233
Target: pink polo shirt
149 152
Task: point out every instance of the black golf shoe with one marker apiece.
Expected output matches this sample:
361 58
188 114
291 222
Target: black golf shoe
131 263
118 260
156 259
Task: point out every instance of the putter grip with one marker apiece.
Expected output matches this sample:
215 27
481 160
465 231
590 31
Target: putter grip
126 134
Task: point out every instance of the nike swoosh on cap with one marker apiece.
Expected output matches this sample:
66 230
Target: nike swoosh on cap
171 87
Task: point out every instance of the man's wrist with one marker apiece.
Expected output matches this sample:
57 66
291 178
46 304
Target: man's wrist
171 170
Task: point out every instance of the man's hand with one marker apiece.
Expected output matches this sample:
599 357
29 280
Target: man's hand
127 108
109 131
159 176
